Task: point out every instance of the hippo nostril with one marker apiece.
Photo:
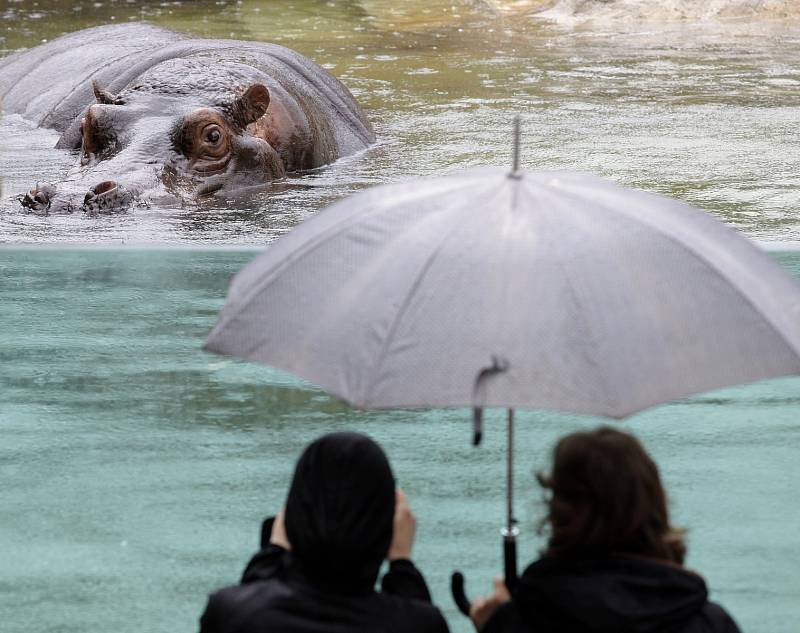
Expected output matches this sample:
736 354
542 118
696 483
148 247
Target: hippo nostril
99 189
104 187
38 199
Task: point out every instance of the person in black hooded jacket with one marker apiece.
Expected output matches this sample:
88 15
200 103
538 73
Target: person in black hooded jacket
317 574
613 564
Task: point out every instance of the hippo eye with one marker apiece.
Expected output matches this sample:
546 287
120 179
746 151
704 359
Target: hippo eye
213 135
205 139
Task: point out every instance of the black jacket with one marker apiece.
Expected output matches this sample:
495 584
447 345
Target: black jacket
609 594
339 516
276 597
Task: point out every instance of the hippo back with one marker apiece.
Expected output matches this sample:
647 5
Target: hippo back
335 117
51 84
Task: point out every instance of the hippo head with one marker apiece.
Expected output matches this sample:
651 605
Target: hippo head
155 142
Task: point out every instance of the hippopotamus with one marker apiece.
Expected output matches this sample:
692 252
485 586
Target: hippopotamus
150 112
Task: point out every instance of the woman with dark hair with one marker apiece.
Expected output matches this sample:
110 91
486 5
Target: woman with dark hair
317 573
613 563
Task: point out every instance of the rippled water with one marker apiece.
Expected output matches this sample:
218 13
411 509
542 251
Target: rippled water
136 468
703 110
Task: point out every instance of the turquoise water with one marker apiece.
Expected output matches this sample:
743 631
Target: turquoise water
136 468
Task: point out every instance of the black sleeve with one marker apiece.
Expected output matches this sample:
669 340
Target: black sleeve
209 621
731 626
265 564
405 580
439 625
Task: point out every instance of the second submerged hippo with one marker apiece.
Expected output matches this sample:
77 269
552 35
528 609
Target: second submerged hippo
153 112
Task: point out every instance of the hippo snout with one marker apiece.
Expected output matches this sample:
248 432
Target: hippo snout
39 199
106 197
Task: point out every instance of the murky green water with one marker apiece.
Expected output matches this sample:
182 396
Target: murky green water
136 468
705 111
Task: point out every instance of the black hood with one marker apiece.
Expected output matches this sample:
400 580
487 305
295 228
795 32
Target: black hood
608 594
340 512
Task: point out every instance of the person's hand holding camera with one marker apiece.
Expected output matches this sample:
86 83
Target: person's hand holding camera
405 528
278 535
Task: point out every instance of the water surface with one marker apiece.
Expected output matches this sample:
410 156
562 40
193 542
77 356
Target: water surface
136 468
704 108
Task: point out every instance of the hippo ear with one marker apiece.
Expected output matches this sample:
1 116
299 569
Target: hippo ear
252 105
104 96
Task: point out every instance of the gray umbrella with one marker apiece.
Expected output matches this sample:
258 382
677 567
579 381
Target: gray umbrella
599 299
550 290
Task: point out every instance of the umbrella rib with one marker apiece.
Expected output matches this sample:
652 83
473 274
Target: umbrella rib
611 401
406 302
697 255
775 328
738 291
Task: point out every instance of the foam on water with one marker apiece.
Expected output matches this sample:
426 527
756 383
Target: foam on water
627 11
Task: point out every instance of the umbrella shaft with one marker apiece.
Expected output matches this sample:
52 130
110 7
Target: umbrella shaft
510 474
510 530
515 152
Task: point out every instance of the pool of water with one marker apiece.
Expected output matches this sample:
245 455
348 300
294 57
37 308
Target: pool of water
136 468
703 108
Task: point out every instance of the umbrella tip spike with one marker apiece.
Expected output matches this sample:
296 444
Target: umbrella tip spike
515 173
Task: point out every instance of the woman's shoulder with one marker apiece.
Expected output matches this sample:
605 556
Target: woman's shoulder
717 620
711 618
230 607
610 592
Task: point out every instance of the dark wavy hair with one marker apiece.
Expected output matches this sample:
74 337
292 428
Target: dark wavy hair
605 494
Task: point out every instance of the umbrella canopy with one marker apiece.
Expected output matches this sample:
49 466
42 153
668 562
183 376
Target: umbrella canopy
586 296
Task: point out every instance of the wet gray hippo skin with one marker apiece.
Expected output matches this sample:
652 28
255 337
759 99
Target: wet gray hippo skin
152 112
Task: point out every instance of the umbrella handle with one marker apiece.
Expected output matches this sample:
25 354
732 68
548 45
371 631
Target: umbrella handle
510 567
457 589
510 562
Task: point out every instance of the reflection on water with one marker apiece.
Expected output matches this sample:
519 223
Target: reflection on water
136 468
703 110
598 11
